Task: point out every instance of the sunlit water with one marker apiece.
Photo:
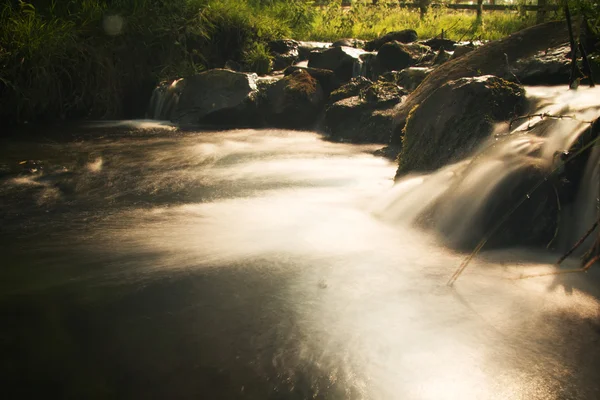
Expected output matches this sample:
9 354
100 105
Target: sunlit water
142 262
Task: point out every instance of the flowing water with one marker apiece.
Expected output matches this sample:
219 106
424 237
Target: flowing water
139 261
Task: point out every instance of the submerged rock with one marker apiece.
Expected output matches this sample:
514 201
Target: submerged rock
404 36
293 102
455 119
343 61
217 96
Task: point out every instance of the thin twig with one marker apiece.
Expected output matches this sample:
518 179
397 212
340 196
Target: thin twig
579 243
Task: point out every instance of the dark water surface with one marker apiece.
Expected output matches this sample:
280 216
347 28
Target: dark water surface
139 261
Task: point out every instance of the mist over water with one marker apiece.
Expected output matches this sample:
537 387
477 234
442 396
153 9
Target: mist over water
146 262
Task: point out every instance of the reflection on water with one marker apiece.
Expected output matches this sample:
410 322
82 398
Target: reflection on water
249 264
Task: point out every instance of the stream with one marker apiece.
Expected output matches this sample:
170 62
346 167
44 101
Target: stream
140 261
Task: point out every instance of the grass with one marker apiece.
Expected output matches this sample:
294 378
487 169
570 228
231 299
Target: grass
64 59
368 22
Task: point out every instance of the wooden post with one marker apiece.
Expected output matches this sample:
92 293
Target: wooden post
541 12
479 10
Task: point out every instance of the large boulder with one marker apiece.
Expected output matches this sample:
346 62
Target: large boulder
343 61
362 111
217 96
404 36
294 102
489 59
451 122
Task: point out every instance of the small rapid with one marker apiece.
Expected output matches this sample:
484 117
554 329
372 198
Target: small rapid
466 200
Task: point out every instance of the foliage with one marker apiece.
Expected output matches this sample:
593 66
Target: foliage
257 58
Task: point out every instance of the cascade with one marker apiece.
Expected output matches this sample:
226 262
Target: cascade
466 200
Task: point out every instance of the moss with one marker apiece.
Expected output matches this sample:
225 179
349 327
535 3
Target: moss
301 83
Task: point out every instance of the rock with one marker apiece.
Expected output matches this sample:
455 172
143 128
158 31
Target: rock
437 44
233 66
533 223
356 43
343 61
369 66
451 122
305 48
350 89
284 53
395 56
404 36
283 46
549 67
489 59
409 78
366 117
326 78
357 121
460 51
441 57
293 102
217 96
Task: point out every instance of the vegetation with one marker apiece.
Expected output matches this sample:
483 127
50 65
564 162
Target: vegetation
101 58
365 21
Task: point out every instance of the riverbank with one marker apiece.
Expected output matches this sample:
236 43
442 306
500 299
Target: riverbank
99 60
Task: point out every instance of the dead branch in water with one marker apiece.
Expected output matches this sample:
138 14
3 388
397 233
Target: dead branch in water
546 115
585 268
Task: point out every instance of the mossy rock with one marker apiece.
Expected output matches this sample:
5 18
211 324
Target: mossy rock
294 102
454 119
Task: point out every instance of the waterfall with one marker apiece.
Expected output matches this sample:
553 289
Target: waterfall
164 100
466 200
